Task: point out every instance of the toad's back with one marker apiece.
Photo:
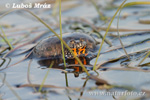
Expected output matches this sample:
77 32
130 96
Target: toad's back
51 47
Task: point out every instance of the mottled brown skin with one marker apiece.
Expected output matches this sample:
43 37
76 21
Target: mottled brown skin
51 46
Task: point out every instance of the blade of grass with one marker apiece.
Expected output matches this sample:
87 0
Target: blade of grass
19 61
60 25
94 68
31 41
128 69
3 79
49 86
28 75
101 16
119 35
121 29
129 34
66 78
138 3
67 85
126 46
96 31
5 38
45 76
54 11
3 50
55 35
15 42
83 88
123 56
11 89
129 4
144 58
2 62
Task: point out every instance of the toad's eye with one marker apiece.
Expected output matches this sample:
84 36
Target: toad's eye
72 41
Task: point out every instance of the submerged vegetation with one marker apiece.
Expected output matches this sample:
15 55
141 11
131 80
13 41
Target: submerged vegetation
122 52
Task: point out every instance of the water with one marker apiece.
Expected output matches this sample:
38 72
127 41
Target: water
17 75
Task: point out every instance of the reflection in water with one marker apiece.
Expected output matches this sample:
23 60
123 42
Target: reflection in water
2 78
83 88
3 61
71 64
2 82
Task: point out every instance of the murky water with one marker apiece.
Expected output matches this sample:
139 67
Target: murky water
16 80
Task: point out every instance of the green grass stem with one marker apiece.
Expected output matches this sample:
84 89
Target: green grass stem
5 38
119 35
45 76
102 17
94 67
54 11
60 25
138 3
11 89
